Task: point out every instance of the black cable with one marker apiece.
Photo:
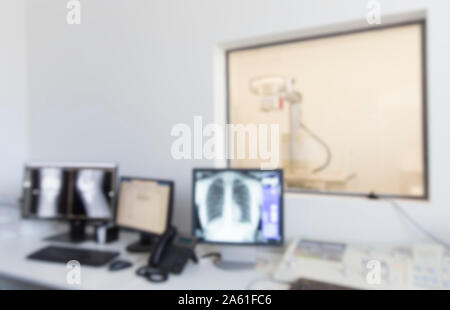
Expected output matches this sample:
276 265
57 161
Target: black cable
217 255
325 146
411 220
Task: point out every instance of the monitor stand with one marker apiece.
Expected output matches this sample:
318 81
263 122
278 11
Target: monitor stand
144 244
76 234
236 257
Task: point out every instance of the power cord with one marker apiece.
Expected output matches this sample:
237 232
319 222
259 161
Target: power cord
324 145
214 255
411 220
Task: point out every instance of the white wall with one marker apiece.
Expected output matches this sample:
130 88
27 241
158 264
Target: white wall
13 108
113 87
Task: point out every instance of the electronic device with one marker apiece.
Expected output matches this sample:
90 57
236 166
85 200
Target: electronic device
290 267
119 265
145 205
273 92
73 192
63 255
238 207
430 266
169 255
106 233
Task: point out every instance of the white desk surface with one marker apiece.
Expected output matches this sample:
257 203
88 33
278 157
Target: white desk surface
29 235
195 276
19 238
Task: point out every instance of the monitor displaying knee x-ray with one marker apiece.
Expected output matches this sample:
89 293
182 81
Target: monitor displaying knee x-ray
238 206
69 191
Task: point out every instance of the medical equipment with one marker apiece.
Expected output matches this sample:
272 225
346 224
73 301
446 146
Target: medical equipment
274 92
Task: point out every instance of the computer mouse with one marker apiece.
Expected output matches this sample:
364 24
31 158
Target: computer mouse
119 265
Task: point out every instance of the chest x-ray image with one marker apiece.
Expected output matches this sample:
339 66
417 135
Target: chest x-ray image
48 190
233 206
91 197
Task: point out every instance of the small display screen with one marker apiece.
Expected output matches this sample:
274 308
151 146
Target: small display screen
144 205
238 206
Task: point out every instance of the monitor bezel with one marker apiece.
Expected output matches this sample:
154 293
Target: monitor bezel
170 209
107 166
258 244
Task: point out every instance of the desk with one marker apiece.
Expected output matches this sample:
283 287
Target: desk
28 237
195 276
19 238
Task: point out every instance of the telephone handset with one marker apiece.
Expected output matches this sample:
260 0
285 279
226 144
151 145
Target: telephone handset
158 251
169 255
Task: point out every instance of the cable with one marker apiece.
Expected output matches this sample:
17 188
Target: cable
411 220
417 225
325 146
217 255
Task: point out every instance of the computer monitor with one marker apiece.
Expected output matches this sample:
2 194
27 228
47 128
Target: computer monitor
144 205
238 206
73 192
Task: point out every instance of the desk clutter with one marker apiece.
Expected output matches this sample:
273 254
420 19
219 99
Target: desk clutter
422 266
233 210
230 206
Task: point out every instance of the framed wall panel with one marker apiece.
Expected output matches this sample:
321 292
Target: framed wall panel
360 125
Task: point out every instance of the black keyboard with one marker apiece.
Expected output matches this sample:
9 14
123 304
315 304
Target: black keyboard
306 284
63 255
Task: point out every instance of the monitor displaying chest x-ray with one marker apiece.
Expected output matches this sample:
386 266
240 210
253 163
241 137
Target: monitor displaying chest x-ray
69 191
238 206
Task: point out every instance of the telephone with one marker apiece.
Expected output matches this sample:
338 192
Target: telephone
169 255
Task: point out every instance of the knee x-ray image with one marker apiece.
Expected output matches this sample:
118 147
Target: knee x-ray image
66 192
49 192
91 194
237 206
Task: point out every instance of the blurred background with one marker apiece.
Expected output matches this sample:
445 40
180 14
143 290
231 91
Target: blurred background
111 89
